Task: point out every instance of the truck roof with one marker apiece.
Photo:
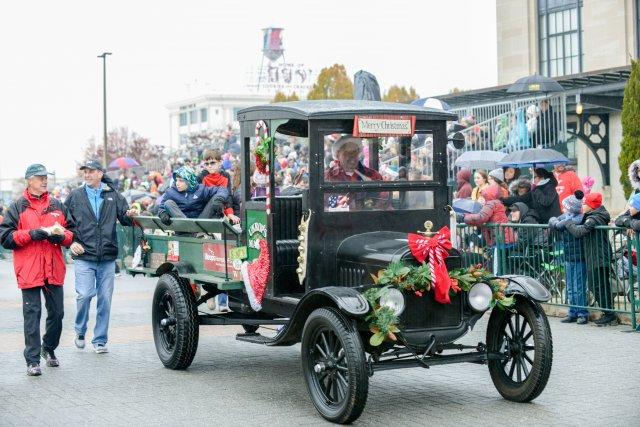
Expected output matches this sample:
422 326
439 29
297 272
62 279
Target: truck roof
339 109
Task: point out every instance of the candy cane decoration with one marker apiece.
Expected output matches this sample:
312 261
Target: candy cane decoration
262 126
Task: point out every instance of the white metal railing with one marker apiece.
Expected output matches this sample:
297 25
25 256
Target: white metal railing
518 124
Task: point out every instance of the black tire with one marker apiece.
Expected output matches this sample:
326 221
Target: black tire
176 343
330 342
250 329
522 376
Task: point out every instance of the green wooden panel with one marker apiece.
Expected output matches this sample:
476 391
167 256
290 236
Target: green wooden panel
256 230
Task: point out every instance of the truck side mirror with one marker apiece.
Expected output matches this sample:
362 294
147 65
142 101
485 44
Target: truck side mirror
457 139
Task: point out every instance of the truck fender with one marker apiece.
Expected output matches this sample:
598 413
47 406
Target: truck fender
526 286
178 266
348 300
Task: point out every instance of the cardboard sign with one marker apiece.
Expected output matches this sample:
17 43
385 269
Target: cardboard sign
213 260
173 250
382 125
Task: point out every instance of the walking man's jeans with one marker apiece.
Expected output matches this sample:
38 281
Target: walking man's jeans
577 288
31 312
94 278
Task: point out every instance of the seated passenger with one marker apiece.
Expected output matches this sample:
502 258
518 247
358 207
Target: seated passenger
188 199
214 176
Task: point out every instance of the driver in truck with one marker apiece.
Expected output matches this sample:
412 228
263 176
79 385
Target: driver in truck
347 167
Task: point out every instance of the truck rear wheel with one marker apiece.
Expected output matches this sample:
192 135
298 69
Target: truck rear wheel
523 336
334 366
174 318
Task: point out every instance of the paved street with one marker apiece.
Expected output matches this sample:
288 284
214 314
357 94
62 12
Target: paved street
595 378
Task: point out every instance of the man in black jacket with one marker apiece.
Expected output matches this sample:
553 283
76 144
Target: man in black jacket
597 252
94 209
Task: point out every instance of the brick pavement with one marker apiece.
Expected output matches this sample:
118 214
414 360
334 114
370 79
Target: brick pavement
595 378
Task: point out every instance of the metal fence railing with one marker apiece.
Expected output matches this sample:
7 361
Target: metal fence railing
516 124
596 272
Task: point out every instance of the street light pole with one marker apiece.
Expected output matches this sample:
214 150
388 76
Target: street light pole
104 106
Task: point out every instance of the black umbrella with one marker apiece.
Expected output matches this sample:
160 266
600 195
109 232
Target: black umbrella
535 83
365 86
533 157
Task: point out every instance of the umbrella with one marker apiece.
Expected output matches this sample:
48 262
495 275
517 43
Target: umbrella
535 83
533 157
431 103
123 163
480 159
465 206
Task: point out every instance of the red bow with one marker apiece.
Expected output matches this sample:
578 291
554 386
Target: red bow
437 249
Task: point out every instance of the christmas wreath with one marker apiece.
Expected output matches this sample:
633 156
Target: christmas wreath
384 323
262 148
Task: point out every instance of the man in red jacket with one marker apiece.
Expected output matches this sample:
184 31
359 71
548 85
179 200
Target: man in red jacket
568 182
35 228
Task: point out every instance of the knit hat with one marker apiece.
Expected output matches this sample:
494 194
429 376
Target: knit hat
497 174
573 204
188 175
593 200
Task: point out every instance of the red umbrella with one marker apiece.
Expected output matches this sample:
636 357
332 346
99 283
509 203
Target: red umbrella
123 163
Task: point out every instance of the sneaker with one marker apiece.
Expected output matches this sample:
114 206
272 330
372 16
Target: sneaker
50 357
100 348
607 319
222 301
33 370
569 319
79 341
582 321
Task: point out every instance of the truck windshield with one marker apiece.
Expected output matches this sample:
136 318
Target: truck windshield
347 158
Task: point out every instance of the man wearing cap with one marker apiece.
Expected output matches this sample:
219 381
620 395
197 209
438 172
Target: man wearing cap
347 167
94 208
35 228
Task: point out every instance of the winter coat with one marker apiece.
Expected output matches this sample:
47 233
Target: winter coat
595 244
463 178
633 176
568 183
519 135
530 235
543 199
97 235
192 203
35 262
571 246
220 179
626 220
493 212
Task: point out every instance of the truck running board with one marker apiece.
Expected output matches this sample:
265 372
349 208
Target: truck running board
255 338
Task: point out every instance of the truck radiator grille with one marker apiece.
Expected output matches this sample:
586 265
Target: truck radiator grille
425 312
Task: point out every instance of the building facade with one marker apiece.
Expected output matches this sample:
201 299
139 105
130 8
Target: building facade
585 45
206 113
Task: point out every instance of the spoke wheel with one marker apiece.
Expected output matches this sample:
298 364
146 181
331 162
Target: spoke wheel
334 366
174 320
523 339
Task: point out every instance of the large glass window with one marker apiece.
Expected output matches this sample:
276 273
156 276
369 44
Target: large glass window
560 37
204 116
348 159
183 119
193 116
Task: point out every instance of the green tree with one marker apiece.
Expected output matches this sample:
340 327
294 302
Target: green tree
282 97
333 83
400 94
630 147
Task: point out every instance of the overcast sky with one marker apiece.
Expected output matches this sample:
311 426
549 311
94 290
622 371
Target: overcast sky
51 80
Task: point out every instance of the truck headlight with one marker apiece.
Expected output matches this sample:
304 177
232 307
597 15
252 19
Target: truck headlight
394 300
479 296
